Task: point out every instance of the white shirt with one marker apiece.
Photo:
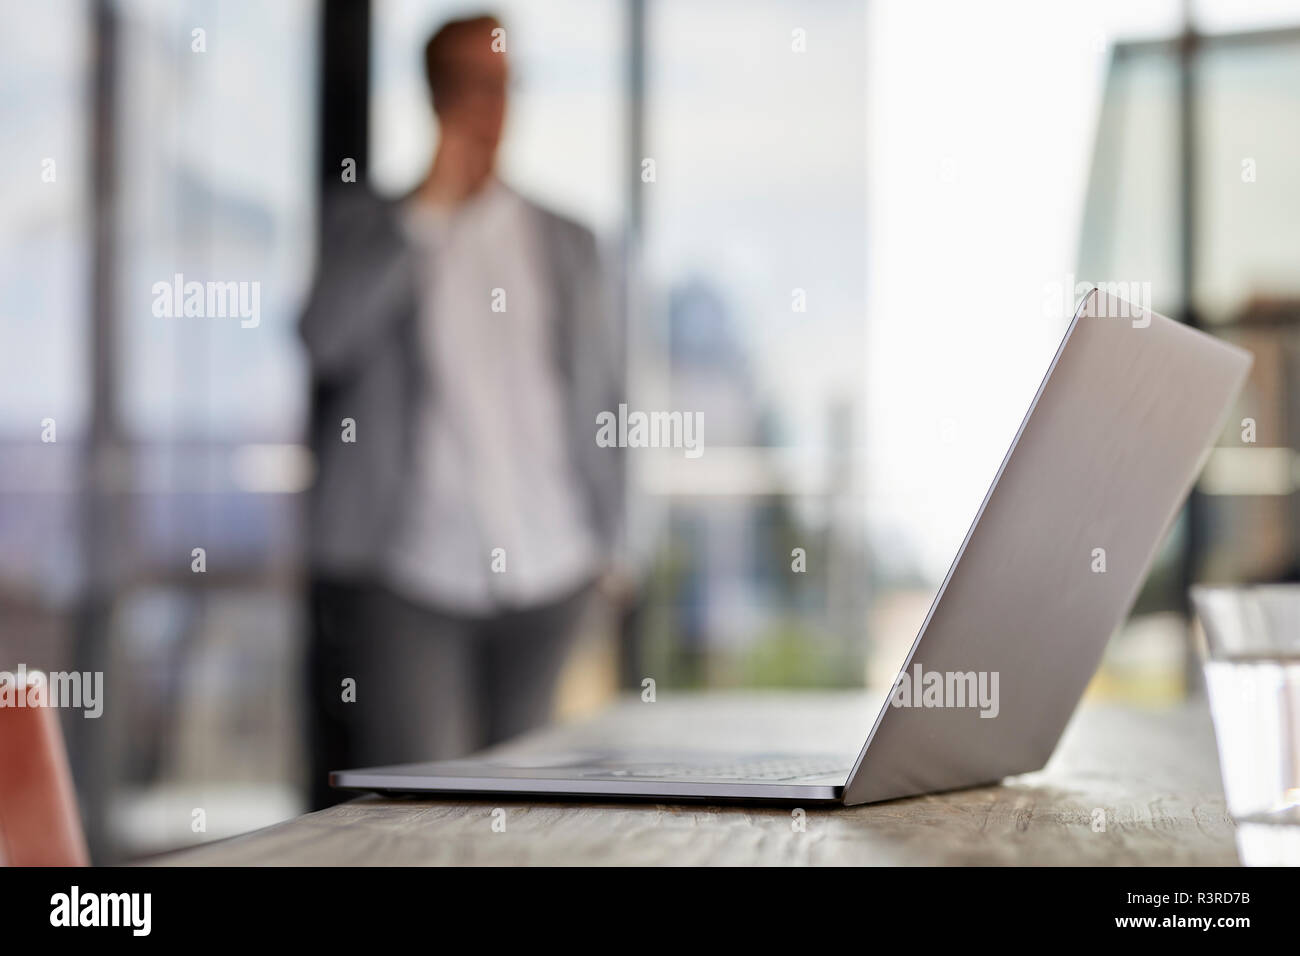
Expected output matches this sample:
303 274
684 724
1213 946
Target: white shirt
492 468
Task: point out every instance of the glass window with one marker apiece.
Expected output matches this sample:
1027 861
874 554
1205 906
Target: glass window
216 154
45 356
754 187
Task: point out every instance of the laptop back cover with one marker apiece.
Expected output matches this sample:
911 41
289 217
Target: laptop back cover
1108 451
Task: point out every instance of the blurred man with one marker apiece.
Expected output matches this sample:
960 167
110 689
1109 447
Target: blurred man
461 349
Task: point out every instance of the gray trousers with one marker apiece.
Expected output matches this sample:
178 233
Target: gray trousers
429 685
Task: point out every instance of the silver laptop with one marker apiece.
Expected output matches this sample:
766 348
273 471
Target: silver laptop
1112 442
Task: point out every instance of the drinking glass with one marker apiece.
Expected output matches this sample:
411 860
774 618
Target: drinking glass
1252 673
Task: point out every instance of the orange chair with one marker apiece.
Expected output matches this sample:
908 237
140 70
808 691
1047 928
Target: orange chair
39 823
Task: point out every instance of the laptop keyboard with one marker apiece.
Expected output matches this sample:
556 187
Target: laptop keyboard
767 769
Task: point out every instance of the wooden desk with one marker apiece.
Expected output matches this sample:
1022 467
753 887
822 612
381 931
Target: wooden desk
1153 773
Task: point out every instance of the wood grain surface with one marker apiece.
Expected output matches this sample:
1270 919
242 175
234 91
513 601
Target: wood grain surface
1151 776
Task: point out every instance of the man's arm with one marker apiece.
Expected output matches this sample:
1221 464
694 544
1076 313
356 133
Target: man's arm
361 284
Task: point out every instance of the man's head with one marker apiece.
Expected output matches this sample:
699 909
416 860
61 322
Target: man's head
465 65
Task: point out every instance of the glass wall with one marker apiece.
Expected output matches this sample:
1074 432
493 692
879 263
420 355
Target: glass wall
212 179
1238 216
44 345
215 130
851 267
752 316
